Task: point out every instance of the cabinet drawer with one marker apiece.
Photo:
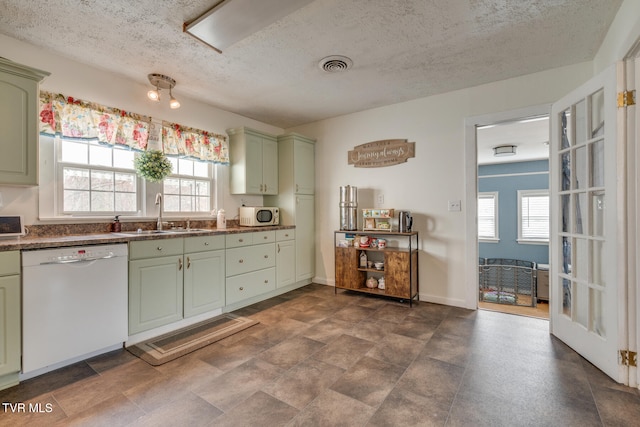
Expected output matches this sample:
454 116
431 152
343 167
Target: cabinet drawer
9 263
156 248
288 234
238 240
260 237
244 260
203 243
249 285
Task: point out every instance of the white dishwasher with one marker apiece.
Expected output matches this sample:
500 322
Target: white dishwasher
74 304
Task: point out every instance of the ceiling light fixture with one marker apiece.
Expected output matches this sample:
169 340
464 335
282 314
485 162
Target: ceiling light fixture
230 21
504 150
160 81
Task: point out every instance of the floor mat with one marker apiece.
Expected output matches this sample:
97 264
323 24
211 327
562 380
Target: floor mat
170 346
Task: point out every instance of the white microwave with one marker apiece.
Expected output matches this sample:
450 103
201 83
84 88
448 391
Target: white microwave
253 216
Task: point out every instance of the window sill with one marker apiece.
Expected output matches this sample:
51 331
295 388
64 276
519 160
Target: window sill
485 240
533 242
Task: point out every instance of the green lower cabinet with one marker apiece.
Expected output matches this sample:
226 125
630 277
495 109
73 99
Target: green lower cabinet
286 263
173 279
248 285
204 278
155 292
9 319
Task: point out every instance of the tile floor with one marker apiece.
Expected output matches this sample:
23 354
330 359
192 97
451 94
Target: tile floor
320 359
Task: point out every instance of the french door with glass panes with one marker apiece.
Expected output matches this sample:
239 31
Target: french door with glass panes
587 240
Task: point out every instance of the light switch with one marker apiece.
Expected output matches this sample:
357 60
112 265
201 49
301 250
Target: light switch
380 199
455 205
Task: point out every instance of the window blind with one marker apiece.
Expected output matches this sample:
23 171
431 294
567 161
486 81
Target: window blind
487 216
534 214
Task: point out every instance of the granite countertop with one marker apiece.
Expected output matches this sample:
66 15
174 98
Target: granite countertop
62 240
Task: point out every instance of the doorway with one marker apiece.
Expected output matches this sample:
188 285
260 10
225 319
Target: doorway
500 130
513 215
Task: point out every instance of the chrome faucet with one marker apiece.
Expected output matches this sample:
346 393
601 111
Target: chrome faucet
159 204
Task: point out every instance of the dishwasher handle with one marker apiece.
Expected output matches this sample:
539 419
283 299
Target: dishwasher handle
73 261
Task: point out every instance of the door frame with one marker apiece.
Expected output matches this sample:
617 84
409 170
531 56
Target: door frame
471 188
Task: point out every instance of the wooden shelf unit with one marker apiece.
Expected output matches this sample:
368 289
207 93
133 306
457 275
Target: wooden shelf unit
400 266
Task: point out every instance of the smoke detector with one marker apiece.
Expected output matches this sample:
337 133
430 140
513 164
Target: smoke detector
335 64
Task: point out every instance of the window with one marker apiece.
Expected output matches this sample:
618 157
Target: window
188 189
90 171
87 178
533 216
488 216
95 179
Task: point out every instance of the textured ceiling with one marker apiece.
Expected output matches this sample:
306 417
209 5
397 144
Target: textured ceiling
401 49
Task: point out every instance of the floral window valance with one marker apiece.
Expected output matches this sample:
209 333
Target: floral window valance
183 141
73 118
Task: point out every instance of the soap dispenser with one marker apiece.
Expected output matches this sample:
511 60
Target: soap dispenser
116 227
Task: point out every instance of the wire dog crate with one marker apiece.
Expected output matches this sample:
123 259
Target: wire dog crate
507 281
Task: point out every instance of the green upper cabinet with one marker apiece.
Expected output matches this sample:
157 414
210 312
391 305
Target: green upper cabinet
19 123
254 162
303 162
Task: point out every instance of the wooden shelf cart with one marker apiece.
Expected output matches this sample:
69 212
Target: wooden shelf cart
400 265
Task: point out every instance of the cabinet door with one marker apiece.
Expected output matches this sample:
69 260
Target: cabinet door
203 282
305 237
9 324
347 274
304 167
285 263
155 292
18 130
269 166
254 162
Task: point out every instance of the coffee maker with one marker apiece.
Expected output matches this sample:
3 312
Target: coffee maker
405 221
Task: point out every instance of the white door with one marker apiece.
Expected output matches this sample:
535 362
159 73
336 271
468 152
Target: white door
587 240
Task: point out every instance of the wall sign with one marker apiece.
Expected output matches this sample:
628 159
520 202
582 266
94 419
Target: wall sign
377 154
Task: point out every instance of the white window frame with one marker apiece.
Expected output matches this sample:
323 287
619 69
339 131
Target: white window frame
51 189
529 240
212 191
59 184
496 235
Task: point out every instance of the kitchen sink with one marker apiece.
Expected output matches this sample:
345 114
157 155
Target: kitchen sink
185 230
169 231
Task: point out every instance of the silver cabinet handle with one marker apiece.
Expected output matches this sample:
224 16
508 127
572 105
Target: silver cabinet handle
241 261
266 281
188 262
179 264
206 243
278 247
159 248
266 256
241 288
240 240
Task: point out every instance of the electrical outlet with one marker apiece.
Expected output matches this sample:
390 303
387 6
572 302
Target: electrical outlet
455 205
380 199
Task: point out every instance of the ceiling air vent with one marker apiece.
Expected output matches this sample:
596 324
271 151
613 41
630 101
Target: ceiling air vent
335 64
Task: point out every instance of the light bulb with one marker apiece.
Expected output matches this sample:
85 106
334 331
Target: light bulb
154 95
173 103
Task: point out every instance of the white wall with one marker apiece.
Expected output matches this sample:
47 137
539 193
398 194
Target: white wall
621 37
425 183
92 84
